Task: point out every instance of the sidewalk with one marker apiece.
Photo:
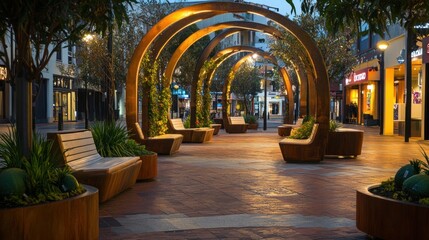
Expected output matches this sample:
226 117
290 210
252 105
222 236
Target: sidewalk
238 187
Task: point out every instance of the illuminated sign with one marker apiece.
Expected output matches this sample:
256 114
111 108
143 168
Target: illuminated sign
360 77
417 53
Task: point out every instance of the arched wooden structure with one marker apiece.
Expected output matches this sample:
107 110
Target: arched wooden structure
210 29
228 52
201 11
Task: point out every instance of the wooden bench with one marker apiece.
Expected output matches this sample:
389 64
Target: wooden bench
166 144
110 175
236 125
311 149
190 135
216 127
285 129
345 142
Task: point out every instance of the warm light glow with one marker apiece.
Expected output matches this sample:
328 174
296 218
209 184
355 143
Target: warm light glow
255 56
88 37
382 45
369 87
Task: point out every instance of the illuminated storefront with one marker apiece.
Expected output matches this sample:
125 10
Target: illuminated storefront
361 95
64 101
395 90
3 77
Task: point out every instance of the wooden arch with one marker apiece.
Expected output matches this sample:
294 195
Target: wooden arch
210 29
200 12
229 52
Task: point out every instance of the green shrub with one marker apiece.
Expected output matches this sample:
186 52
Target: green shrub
334 125
250 119
42 178
411 182
111 140
304 131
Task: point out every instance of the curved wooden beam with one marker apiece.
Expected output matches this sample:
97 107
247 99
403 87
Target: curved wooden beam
321 82
228 52
178 53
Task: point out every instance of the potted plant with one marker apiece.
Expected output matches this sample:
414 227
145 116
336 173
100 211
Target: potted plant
252 121
39 199
112 140
398 208
304 131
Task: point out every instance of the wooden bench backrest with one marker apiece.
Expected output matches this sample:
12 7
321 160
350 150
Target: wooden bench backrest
313 132
78 148
236 120
177 123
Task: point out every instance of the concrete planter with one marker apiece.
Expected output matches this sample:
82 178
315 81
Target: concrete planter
72 218
386 218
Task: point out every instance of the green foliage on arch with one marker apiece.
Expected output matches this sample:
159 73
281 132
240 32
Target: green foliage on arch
158 96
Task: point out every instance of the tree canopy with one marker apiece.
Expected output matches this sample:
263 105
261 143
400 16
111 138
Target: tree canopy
376 15
38 28
246 85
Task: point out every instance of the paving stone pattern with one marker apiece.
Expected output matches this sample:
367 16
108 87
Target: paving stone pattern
238 187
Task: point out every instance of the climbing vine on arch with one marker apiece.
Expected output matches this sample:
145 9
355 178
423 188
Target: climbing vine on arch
204 100
158 96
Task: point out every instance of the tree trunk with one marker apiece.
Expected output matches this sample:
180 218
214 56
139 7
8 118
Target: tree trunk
110 82
24 120
23 90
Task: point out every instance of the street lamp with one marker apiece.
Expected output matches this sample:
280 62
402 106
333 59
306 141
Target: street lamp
174 97
87 39
265 112
382 45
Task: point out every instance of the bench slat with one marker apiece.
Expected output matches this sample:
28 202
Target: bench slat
77 143
237 120
75 136
70 158
177 123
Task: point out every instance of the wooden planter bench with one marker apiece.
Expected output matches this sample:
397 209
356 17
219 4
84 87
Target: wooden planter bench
190 135
285 129
110 175
216 127
345 142
236 125
166 144
311 149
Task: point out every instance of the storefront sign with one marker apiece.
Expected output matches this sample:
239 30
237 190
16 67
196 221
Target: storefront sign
417 53
357 77
425 52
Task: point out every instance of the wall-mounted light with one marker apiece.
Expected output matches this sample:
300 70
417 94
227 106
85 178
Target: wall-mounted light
369 87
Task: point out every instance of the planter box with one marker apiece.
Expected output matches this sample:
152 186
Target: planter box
216 127
387 218
253 126
149 168
345 142
72 218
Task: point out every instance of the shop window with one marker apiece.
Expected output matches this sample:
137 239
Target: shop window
59 51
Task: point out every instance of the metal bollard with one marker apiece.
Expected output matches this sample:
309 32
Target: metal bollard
60 119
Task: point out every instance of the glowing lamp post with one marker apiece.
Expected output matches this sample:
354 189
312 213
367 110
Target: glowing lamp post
382 45
87 39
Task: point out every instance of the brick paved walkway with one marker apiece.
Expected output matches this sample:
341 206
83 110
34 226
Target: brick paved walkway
238 187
